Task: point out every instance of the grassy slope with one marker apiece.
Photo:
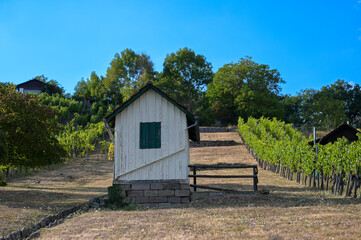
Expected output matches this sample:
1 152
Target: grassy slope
26 200
291 211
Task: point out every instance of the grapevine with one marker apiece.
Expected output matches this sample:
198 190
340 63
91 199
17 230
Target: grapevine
282 149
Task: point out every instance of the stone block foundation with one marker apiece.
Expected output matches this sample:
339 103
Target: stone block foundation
155 193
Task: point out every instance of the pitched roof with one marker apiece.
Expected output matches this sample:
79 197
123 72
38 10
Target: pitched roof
33 84
191 118
344 130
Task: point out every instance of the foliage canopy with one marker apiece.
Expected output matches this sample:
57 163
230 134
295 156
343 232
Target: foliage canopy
245 89
30 130
185 77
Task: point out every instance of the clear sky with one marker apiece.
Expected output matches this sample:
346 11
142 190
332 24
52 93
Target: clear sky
311 43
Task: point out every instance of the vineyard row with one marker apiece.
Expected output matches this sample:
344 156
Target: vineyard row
282 149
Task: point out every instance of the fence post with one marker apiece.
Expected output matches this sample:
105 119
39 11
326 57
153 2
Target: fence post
194 179
255 180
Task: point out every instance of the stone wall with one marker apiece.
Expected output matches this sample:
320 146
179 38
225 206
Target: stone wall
155 193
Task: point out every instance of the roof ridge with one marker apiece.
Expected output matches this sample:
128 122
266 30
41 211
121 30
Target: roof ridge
140 92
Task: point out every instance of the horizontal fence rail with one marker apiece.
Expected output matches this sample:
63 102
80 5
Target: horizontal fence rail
194 167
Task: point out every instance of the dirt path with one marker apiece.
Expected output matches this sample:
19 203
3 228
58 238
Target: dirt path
26 200
290 211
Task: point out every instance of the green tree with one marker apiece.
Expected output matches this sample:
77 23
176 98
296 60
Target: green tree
325 108
127 73
185 77
91 88
321 108
245 89
350 95
353 110
52 86
82 89
328 112
293 109
30 130
3 148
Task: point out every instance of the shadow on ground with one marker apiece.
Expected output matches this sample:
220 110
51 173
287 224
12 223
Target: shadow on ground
51 197
216 143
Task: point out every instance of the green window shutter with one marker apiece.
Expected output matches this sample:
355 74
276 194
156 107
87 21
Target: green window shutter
150 135
157 135
143 135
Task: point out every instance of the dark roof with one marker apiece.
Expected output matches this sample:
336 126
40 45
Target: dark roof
32 85
344 130
191 118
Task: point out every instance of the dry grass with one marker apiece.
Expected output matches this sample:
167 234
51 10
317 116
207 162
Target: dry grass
26 200
229 217
290 211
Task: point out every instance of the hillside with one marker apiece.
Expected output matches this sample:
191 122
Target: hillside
26 200
290 211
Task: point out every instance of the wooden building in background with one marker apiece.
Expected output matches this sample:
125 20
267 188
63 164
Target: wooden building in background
31 86
344 130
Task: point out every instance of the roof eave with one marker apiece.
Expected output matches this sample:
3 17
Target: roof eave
116 111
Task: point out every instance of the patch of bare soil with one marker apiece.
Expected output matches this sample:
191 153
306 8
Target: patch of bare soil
290 211
26 200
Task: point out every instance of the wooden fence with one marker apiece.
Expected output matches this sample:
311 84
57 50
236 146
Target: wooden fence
194 168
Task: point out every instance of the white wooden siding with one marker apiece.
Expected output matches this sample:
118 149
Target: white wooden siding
133 163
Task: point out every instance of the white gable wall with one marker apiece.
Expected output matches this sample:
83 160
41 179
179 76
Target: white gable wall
168 162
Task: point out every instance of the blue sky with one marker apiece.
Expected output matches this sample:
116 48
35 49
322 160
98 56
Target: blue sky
311 43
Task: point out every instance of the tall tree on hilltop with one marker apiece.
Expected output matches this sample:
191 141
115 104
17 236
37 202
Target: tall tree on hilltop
185 77
350 95
325 108
127 73
91 88
245 89
81 89
353 110
322 110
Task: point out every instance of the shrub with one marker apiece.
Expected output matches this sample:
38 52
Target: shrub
115 197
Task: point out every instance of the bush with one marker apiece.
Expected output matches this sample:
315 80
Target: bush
2 182
30 130
75 106
115 197
3 147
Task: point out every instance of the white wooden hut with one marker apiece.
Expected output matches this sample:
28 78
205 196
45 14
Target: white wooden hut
152 133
